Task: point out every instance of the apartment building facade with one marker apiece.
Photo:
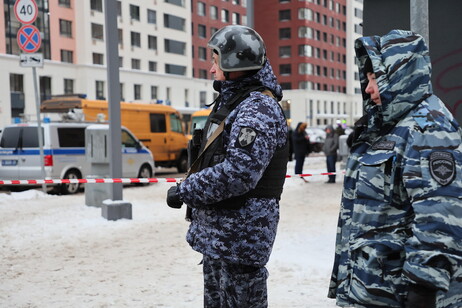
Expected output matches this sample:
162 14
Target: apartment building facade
163 57
154 55
311 50
207 17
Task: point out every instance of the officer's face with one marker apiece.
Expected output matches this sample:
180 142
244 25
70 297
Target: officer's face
215 69
372 89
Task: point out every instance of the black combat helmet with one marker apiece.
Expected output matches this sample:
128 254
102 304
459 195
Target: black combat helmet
240 48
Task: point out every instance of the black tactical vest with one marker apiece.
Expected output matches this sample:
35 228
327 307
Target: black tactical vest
272 181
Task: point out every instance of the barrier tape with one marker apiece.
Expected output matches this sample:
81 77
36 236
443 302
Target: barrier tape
126 180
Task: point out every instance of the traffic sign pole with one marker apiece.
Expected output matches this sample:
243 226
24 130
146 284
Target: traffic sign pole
39 127
29 40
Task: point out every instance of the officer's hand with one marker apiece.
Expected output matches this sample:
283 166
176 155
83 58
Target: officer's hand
173 199
419 296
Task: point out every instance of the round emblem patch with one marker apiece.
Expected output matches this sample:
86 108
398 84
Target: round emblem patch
442 167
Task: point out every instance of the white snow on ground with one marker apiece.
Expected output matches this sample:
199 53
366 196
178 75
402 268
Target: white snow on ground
57 252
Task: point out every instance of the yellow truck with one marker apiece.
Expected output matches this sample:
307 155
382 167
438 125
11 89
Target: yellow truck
157 126
198 120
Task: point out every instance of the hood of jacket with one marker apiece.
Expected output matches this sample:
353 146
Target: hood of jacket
265 77
402 68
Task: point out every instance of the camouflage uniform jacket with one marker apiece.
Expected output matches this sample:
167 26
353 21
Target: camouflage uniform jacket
245 235
401 211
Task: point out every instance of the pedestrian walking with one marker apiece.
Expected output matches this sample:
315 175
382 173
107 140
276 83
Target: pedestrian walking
301 144
330 148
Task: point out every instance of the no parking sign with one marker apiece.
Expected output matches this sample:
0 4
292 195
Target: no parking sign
29 39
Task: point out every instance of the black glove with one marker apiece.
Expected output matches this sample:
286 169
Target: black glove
173 199
420 296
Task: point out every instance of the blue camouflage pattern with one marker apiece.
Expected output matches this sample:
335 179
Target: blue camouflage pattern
245 235
400 220
234 285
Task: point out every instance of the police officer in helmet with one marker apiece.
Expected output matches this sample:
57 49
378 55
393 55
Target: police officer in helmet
234 193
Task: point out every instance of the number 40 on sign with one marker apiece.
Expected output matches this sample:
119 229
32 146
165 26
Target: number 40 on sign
26 11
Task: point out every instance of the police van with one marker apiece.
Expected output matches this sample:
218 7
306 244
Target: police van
64 154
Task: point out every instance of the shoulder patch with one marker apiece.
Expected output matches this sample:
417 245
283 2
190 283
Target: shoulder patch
384 145
247 136
442 167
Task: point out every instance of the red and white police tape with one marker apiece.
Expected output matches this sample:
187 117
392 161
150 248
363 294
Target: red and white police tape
127 180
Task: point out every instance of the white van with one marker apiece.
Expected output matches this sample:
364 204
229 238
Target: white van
64 154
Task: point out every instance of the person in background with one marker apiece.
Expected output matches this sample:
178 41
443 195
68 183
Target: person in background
301 143
399 235
330 148
291 142
234 194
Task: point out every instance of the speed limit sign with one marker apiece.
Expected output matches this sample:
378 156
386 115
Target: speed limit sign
26 11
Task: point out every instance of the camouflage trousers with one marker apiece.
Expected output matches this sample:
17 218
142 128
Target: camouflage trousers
233 285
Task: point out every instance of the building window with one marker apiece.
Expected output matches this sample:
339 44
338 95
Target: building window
121 61
285 69
305 69
284 33
175 2
174 22
121 88
285 51
224 16
202 98
305 32
305 51
121 37
152 42
96 5
68 86
202 31
152 17
97 31
154 92
236 2
175 69
286 85
137 91
236 19
99 86
67 56
305 85
135 39
134 12
284 15
305 14
175 47
65 28
213 12
202 53
119 8
203 74
152 66
98 58
201 8
64 3
136 64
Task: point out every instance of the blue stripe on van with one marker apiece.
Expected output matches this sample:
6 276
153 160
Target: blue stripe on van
79 151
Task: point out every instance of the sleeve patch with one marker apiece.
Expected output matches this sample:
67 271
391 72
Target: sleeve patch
442 167
246 137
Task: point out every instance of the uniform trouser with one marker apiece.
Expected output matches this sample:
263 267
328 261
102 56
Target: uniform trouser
233 285
331 160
